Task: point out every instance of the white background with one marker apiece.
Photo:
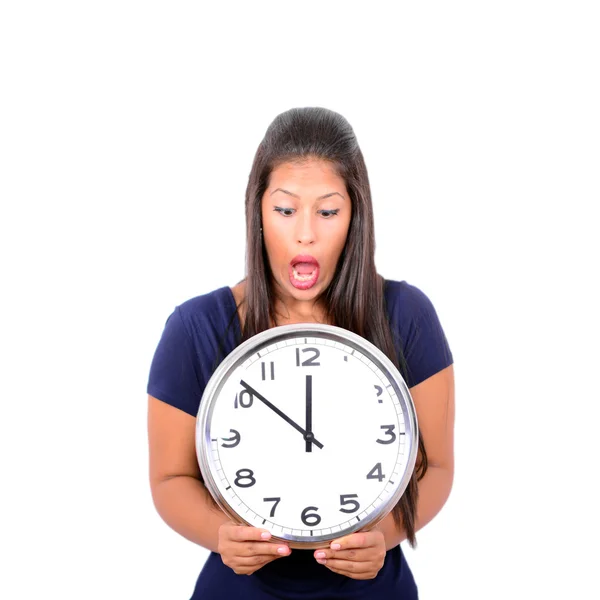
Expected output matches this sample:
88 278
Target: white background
127 132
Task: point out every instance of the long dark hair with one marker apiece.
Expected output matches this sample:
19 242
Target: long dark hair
355 298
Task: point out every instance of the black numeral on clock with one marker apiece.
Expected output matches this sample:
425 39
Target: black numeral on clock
239 399
240 477
309 362
344 500
389 431
263 370
375 473
235 440
276 500
379 392
315 519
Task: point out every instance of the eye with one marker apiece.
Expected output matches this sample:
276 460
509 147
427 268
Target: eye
286 212
329 213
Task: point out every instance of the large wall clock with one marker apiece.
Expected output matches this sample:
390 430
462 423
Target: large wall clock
306 430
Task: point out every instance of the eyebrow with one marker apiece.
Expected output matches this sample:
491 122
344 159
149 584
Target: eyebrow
296 195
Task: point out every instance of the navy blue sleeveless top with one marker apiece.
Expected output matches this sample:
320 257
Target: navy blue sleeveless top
197 336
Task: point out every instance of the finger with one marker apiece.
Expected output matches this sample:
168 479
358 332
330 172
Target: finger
262 549
249 564
256 559
355 554
347 567
241 533
363 539
362 576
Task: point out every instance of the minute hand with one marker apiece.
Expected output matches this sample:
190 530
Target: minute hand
295 425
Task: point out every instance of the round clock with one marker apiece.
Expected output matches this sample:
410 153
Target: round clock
306 430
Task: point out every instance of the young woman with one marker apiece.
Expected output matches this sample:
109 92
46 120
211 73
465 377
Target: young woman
310 258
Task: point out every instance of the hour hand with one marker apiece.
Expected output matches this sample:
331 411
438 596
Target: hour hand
308 435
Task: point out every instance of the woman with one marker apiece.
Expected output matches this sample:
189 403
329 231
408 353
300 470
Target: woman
310 258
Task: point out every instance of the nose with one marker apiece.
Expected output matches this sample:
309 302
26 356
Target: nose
305 231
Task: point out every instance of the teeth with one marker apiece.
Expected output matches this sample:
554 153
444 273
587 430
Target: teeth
305 277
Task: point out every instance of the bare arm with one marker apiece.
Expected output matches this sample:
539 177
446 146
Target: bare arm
178 494
434 403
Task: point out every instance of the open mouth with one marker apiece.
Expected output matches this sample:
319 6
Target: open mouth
304 271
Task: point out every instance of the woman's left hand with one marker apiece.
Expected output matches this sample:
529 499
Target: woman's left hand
359 555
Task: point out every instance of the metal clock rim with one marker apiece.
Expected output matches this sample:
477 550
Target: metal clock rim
262 339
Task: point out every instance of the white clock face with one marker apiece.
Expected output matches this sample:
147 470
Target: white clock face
308 437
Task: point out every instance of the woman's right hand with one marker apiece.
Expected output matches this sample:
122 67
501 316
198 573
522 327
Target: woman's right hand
247 549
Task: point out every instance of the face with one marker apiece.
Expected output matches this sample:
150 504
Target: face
306 214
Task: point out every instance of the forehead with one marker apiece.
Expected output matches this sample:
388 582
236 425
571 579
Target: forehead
308 173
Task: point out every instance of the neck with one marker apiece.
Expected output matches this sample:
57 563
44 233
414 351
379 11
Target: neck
287 313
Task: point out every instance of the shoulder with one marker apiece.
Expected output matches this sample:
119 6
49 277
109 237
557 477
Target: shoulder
193 337
206 302
211 307
209 321
405 300
417 330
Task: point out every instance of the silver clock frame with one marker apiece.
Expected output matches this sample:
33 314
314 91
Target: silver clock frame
283 332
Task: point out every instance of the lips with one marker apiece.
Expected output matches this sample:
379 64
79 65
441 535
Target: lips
304 271
304 259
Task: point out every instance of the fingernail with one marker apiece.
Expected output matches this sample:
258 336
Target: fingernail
335 546
265 535
320 555
321 561
282 550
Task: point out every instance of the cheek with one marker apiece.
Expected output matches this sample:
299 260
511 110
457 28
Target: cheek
340 241
334 252
274 247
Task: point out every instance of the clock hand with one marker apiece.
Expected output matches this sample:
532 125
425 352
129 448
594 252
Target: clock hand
281 414
308 436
